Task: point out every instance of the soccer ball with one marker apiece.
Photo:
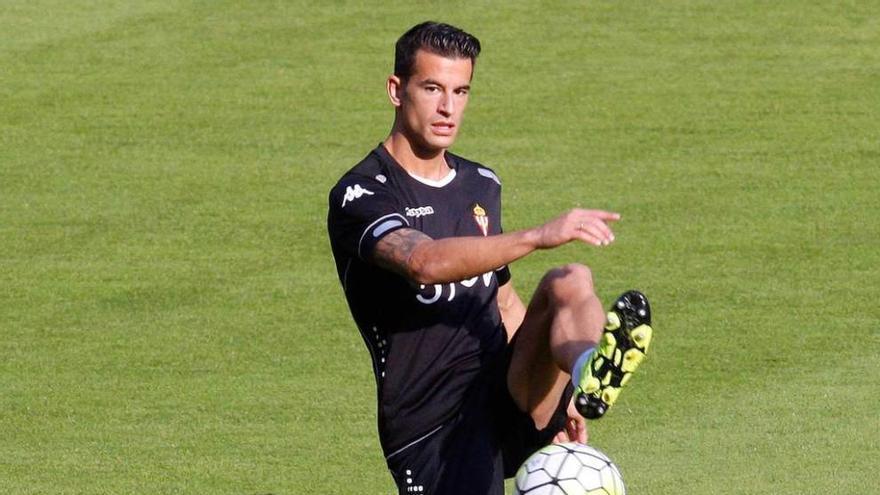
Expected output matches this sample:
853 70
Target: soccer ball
569 469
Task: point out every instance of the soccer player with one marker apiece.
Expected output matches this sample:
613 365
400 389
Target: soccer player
469 380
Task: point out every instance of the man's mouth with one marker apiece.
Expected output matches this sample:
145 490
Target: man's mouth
443 128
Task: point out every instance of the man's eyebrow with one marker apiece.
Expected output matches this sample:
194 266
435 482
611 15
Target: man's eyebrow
432 82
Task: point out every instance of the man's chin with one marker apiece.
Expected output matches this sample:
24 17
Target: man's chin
433 146
441 142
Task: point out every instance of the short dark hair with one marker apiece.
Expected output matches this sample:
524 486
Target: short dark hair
434 37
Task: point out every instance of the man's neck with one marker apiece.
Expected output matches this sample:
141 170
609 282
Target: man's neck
428 165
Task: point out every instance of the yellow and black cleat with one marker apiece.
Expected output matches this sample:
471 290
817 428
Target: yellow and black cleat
622 348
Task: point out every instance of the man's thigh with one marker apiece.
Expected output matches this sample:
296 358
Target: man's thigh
521 434
562 318
535 381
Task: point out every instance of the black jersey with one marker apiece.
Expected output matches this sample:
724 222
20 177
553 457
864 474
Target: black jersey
427 343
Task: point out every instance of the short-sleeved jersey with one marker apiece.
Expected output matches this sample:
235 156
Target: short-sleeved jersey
427 343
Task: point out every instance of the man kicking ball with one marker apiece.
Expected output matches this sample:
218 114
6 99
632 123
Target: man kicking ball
469 380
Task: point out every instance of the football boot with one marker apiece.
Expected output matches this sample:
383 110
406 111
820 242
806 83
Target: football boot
622 347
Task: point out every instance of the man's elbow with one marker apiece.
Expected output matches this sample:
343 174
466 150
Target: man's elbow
422 272
425 269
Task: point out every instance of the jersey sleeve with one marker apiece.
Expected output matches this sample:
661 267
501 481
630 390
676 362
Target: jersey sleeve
362 212
502 273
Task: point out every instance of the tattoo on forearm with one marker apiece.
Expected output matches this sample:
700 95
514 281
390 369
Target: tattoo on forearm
394 250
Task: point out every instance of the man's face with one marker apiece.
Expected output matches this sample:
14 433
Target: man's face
433 100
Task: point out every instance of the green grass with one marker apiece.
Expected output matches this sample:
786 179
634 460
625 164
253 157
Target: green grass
170 317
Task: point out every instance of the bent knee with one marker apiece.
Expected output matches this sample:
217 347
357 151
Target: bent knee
572 282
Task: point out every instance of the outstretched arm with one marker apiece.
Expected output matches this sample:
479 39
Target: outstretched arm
430 261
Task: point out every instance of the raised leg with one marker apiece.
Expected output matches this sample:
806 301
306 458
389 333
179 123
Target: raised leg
563 319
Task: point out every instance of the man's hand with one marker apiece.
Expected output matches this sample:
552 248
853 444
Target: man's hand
575 428
590 226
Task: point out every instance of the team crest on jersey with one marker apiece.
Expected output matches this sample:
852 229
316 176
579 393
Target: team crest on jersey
481 218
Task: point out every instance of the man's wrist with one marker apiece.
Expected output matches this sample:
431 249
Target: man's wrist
531 239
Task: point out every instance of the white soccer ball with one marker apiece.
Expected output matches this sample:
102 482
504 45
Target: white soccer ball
569 469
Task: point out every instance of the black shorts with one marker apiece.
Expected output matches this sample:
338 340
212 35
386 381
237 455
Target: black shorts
484 443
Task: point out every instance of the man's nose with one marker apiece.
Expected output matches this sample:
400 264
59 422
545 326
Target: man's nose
447 105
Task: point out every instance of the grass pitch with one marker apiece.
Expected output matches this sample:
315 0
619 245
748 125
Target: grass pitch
170 317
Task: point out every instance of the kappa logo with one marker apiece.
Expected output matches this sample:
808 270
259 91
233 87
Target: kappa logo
354 192
420 211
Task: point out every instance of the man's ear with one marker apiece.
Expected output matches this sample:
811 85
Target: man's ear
394 87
